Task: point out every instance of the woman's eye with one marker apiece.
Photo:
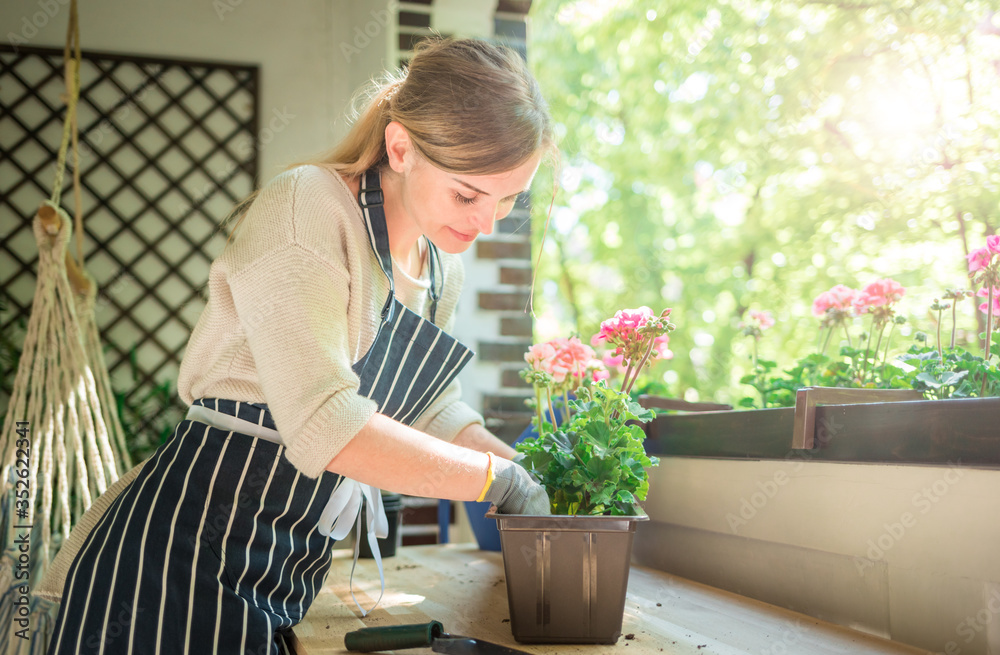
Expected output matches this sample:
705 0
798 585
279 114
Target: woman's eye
462 199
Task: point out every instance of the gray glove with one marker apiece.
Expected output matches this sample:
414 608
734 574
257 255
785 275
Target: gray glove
514 491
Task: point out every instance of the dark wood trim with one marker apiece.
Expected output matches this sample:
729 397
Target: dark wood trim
657 402
926 432
87 53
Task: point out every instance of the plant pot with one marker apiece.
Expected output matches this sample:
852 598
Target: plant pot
387 545
566 576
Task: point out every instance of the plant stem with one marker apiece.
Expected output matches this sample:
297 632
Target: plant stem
864 362
565 405
954 308
989 334
826 341
940 352
885 353
538 407
628 372
848 335
878 344
642 362
552 411
756 373
614 414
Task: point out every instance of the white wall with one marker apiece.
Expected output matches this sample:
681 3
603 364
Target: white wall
907 552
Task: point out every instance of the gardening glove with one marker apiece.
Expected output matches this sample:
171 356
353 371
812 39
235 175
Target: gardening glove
514 491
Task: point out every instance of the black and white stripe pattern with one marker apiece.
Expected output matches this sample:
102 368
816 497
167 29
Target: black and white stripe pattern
212 549
430 358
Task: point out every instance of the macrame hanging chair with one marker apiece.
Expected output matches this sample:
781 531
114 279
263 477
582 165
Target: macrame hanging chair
62 441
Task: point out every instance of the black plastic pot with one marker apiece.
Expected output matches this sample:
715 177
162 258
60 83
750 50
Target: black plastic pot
387 546
566 576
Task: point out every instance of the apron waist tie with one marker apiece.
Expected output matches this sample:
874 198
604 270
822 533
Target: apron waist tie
343 507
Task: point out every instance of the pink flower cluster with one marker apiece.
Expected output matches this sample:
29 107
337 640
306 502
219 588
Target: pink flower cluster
841 301
880 293
628 332
563 359
840 298
762 318
984 307
983 265
623 328
757 322
983 257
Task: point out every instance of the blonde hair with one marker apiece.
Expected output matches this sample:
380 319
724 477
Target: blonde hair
470 107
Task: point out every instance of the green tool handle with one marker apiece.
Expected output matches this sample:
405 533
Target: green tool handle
391 637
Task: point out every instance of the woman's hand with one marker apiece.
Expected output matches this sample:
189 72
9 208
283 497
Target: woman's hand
514 491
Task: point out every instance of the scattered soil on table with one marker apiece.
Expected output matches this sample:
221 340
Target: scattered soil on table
659 604
505 621
630 635
400 567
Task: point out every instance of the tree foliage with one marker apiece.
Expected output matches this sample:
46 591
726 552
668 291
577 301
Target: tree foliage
725 156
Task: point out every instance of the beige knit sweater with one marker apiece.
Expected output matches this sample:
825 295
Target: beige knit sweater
294 301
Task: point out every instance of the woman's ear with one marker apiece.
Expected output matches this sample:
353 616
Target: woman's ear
398 147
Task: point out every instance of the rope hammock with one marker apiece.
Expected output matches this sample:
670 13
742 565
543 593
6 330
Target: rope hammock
62 441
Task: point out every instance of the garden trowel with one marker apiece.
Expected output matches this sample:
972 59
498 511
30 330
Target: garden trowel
421 635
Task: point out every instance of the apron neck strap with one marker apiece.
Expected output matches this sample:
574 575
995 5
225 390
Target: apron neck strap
371 200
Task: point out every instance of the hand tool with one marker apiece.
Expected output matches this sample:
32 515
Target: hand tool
421 635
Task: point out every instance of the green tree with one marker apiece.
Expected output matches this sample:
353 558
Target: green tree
723 156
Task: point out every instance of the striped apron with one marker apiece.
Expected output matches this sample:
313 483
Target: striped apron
218 544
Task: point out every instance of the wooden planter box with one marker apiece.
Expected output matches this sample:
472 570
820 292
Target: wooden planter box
847 429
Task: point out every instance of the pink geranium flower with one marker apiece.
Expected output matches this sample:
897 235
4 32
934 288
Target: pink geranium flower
984 307
763 318
539 357
571 359
980 258
598 371
756 323
840 298
880 293
611 360
624 326
661 347
993 243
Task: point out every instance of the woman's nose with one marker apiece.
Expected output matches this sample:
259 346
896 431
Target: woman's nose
484 221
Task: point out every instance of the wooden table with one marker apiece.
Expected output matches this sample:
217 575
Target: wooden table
463 588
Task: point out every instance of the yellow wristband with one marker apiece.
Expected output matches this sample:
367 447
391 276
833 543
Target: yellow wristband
489 479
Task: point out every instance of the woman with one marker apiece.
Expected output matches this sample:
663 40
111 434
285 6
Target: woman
319 373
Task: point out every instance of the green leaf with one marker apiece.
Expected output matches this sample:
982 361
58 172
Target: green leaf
929 380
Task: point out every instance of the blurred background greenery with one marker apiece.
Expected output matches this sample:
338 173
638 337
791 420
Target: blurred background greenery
722 157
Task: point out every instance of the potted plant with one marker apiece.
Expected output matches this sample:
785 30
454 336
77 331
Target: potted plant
567 574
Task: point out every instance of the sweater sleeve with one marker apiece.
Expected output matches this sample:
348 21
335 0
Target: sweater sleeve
292 305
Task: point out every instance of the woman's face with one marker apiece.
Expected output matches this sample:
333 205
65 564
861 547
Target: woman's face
452 210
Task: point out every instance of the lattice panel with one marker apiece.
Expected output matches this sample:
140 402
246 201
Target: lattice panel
167 148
